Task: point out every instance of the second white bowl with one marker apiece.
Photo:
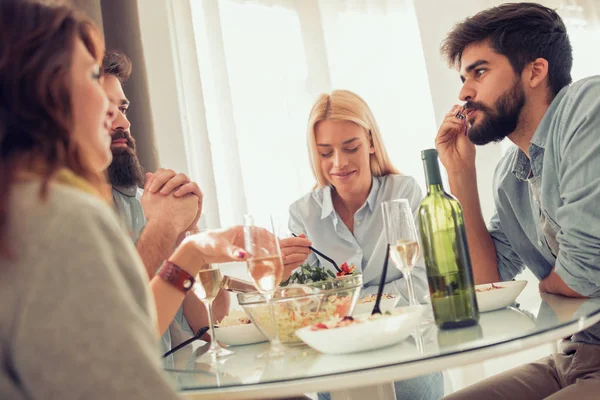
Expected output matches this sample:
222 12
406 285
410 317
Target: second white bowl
381 332
489 299
239 335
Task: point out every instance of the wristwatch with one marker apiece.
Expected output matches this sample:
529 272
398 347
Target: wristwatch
176 276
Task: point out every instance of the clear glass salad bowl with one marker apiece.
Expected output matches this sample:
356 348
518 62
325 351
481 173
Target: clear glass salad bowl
297 306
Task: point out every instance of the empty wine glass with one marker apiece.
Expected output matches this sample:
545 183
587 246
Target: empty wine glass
401 234
206 287
266 269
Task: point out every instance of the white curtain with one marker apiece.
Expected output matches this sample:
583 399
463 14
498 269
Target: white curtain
262 65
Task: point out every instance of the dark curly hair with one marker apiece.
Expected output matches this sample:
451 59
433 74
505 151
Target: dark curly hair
117 64
522 32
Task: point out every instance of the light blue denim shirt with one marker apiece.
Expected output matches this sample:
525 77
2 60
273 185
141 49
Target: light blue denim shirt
315 216
127 202
548 208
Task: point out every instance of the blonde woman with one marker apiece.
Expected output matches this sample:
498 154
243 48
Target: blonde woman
342 216
354 174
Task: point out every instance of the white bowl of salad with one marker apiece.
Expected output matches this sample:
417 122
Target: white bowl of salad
299 305
347 335
365 304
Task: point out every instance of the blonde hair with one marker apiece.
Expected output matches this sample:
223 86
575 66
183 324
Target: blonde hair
344 105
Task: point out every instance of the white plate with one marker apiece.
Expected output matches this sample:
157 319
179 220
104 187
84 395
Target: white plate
239 335
498 298
381 332
367 308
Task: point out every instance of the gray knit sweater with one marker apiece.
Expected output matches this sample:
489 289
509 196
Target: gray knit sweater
76 318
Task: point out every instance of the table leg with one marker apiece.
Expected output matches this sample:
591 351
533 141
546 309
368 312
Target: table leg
385 391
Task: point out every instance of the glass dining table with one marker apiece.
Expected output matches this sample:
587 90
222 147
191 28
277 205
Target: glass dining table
534 319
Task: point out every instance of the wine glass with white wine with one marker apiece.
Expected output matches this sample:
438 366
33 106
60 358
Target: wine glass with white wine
206 287
266 269
401 234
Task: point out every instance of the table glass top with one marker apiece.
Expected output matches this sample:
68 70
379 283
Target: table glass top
531 315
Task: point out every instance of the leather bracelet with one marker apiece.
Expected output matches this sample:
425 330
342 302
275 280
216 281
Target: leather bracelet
176 276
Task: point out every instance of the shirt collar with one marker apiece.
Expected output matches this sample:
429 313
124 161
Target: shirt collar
129 191
327 206
522 165
541 133
372 197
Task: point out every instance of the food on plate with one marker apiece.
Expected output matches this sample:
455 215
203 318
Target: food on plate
234 318
307 274
370 298
489 288
345 321
292 316
346 270
339 323
299 305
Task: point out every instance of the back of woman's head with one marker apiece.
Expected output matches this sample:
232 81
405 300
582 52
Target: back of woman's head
344 105
37 43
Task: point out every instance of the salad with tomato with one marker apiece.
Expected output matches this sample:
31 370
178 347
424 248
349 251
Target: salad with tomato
307 274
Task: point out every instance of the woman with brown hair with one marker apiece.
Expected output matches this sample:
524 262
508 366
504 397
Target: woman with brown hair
77 319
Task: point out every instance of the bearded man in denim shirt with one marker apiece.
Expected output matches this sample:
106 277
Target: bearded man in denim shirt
158 217
515 64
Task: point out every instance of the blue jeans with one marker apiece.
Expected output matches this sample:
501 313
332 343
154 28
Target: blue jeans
426 387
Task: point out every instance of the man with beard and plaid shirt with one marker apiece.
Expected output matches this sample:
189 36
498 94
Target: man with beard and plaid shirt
158 216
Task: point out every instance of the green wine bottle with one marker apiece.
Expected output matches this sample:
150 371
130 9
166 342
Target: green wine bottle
446 253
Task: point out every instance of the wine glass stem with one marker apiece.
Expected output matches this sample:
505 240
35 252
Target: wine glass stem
412 300
419 340
276 343
213 339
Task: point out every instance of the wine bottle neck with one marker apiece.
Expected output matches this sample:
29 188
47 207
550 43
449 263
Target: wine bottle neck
432 168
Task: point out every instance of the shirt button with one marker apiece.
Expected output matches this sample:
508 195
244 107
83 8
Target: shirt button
357 222
358 251
540 243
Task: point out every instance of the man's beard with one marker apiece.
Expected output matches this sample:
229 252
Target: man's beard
125 169
495 126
